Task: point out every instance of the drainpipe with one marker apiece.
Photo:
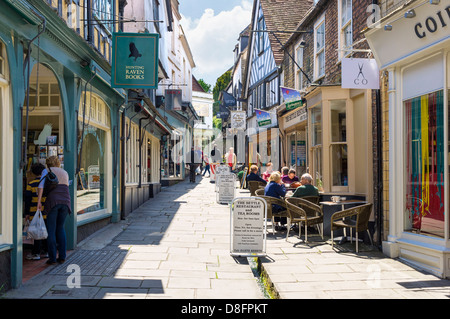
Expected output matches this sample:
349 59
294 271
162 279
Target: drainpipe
141 138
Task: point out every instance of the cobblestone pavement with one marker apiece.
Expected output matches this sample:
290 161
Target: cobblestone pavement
177 245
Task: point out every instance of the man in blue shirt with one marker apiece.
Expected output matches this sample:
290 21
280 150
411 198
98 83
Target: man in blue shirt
253 176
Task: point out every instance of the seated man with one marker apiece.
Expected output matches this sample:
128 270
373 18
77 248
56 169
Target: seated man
290 178
253 176
307 189
275 188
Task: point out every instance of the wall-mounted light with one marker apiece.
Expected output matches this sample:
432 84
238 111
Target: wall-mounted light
388 27
435 2
410 14
302 44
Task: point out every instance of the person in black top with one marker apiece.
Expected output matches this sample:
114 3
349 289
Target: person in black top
253 176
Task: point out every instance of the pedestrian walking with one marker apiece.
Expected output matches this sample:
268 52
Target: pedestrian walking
206 160
57 208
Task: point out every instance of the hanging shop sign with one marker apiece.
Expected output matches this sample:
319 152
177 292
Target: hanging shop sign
135 60
173 100
248 226
263 118
238 120
292 98
360 74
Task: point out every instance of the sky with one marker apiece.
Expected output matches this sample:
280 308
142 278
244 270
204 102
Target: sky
212 28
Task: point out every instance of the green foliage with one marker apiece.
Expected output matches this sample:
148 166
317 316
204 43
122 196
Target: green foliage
217 123
205 86
221 84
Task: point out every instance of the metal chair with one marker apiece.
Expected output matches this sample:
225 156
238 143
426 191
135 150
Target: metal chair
342 219
274 201
304 212
254 185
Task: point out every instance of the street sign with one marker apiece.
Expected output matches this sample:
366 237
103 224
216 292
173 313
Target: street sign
248 227
135 60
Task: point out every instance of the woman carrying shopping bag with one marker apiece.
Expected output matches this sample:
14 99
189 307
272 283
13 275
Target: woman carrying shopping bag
57 207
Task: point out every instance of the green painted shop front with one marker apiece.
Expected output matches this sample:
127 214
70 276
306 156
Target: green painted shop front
62 66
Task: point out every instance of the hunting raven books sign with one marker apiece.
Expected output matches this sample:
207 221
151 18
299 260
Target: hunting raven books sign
135 60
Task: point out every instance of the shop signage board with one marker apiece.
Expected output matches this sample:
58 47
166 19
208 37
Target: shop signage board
248 227
360 74
238 120
227 188
135 60
219 170
173 100
263 118
296 117
292 98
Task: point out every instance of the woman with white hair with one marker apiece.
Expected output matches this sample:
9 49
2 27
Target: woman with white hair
307 189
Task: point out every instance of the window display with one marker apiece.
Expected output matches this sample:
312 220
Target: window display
424 202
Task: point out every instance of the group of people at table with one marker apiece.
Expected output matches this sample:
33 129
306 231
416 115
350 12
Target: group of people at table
277 184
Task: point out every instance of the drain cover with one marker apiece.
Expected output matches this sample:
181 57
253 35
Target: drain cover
94 263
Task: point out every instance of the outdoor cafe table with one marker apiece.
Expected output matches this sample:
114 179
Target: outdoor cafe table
343 203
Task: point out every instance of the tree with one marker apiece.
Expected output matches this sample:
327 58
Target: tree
221 84
206 87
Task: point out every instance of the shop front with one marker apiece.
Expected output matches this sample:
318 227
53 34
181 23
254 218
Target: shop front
413 52
294 127
339 141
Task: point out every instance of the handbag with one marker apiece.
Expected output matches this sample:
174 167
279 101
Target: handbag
37 229
25 238
51 181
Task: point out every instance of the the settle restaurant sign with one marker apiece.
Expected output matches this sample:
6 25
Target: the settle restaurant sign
135 60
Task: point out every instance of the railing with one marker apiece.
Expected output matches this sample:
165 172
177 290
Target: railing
389 6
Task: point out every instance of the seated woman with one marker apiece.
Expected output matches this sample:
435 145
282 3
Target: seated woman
269 170
290 178
275 188
253 176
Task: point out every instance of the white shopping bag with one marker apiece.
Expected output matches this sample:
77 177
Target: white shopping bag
37 229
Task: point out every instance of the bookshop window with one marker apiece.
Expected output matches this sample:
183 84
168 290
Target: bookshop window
91 152
425 184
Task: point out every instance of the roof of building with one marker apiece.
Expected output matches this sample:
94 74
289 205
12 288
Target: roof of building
196 86
283 15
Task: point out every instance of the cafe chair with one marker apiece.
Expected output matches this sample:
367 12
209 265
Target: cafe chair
259 192
304 213
342 219
312 199
271 201
254 185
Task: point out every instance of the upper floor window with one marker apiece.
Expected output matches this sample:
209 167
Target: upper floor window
2 61
319 48
261 35
345 27
102 10
298 72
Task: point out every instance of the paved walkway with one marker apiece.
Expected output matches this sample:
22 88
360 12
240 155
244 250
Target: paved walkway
177 246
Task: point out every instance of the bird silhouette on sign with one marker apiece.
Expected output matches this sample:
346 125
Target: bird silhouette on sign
134 52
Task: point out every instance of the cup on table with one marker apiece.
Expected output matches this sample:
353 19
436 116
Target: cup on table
335 199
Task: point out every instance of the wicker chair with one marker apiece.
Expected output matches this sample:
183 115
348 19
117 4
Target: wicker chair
362 213
304 212
271 201
254 185
312 199
259 192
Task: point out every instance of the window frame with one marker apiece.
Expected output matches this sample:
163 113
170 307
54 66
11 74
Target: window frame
319 53
343 25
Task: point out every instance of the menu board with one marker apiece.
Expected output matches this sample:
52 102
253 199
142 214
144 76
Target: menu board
226 188
248 227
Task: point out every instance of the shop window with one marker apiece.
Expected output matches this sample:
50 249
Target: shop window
47 97
339 155
316 145
91 144
424 202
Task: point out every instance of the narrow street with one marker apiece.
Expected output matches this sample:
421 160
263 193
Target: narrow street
176 245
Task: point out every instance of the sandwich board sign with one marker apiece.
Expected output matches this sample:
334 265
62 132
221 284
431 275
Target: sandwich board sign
248 227
226 188
135 60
